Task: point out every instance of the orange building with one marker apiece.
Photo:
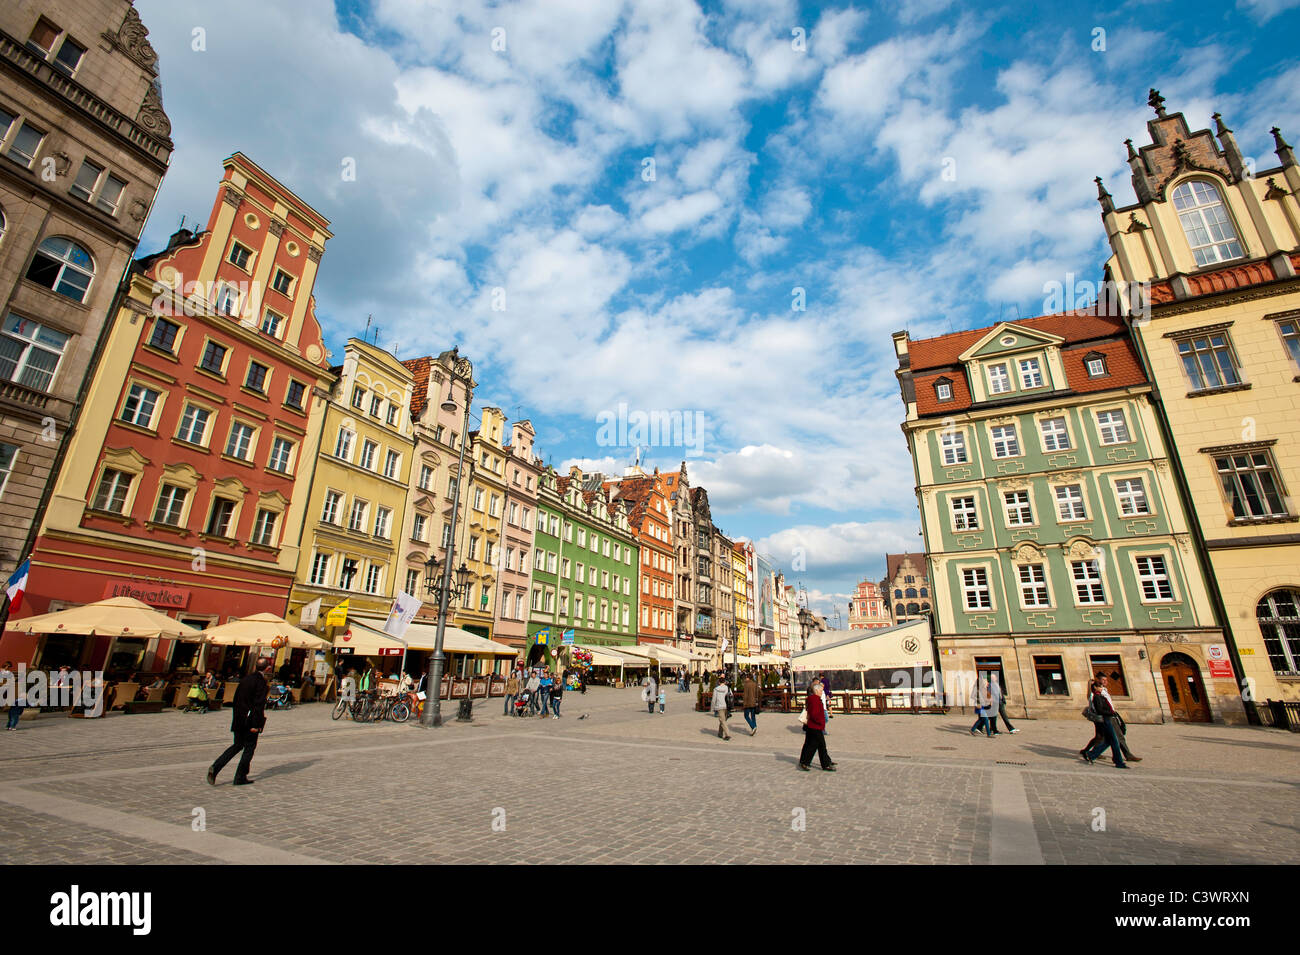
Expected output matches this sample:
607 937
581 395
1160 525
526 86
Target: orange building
651 520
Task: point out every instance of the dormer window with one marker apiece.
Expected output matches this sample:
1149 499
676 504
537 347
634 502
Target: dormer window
1095 363
999 379
943 389
1206 223
1031 373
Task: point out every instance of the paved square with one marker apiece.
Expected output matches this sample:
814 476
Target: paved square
622 786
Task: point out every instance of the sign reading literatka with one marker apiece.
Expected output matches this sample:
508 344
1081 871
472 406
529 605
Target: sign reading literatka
155 595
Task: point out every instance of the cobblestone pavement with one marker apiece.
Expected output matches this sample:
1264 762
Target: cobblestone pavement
622 786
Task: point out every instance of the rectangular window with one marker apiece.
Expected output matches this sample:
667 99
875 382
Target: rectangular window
1096 367
1251 485
1031 375
357 522
219 518
473 548
43 36
564 567
272 321
540 562
964 516
110 193
426 477
510 558
418 527
1069 503
1050 672
1209 361
1112 427
953 444
358 396
446 536
384 523
343 445
26 142
30 353
1056 437
1132 497
240 440
320 570
264 528
1088 588
999 379
1113 670
282 282
139 406
376 404
392 461
214 358
412 581
975 588
369 449
294 396
513 516
1153 577
163 336
943 391
1290 331
1033 586
171 503
390 417
348 573
227 302
83 187
239 255
330 510
1005 442
374 576
256 379
69 56
281 455
110 496
1017 507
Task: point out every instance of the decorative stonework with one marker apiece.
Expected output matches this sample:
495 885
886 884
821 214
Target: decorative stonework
1165 614
1027 553
1141 526
314 252
275 227
1121 454
1081 549
957 474
1019 483
1040 619
62 163
1024 535
1010 467
151 117
1098 618
138 210
230 197
982 621
970 541
1064 459
132 39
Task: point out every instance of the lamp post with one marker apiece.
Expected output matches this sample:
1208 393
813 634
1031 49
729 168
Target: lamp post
735 665
444 590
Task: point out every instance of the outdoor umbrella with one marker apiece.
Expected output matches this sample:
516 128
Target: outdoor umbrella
115 617
261 630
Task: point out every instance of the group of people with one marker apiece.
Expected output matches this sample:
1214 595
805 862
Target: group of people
540 687
990 702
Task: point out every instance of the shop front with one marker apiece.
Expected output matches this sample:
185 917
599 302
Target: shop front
473 665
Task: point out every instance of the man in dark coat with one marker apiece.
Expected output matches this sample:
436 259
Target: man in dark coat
248 717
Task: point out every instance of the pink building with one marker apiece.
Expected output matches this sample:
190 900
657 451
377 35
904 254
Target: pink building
868 609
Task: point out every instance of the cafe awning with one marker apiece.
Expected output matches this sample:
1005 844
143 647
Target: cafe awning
421 637
115 617
261 630
900 647
615 657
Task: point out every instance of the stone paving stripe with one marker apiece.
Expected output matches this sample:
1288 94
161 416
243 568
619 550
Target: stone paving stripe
1013 841
225 848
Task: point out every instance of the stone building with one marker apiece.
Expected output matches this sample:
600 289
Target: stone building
1217 249
514 568
705 630
906 587
84 144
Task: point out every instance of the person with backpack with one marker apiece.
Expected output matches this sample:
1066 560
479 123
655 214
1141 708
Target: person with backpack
1104 715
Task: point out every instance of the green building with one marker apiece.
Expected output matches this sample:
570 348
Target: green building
585 566
1057 541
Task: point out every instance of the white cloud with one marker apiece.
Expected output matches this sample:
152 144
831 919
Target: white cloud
682 213
1264 10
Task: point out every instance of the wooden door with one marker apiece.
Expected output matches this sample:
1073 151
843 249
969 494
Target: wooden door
1186 692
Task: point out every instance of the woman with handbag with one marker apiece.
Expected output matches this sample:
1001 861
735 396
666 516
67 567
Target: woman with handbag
814 730
1100 705
1099 734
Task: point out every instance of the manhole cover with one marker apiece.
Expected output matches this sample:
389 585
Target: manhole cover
1010 762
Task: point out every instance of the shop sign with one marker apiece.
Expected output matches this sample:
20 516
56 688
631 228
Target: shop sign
1220 666
389 651
153 594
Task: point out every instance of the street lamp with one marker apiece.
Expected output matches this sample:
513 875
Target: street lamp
445 590
735 665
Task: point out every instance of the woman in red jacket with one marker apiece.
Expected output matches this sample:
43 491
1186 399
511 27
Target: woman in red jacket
814 731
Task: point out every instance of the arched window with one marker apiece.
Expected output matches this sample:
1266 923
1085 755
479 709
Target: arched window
925 592
925 608
898 593
2 225
913 609
898 610
911 592
1205 221
64 266
1279 622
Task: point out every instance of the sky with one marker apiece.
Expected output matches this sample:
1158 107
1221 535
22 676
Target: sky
716 213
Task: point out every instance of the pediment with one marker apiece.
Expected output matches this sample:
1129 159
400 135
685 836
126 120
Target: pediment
1006 338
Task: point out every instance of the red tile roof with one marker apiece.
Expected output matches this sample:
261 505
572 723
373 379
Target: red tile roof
894 561
420 369
943 351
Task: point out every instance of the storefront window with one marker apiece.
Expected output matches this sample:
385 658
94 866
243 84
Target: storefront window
1111 668
1050 672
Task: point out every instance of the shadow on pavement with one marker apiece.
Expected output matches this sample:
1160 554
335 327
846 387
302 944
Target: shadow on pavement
1238 742
284 769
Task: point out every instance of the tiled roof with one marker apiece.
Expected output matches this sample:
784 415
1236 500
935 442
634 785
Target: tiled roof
420 369
895 561
943 351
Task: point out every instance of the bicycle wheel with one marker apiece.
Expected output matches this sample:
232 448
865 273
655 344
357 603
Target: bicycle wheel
400 713
339 708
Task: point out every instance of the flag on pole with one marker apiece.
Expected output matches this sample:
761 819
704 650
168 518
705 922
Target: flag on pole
18 585
404 609
310 613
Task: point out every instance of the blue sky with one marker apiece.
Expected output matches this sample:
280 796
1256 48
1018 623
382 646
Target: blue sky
622 202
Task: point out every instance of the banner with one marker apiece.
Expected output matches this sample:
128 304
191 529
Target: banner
568 637
338 615
405 607
310 613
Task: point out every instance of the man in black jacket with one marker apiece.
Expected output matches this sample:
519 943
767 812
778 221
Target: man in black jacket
248 718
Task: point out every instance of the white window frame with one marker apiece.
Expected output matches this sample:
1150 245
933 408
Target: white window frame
1149 577
1055 434
1036 591
999 374
1069 501
1086 585
1012 446
952 445
1015 510
1031 373
964 518
1128 498
1114 428
974 581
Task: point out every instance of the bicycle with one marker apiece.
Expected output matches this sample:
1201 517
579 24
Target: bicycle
405 705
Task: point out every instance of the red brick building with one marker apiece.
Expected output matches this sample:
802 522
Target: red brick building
651 520
181 485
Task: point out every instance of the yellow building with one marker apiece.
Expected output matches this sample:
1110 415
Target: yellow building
357 504
1219 249
479 537
740 596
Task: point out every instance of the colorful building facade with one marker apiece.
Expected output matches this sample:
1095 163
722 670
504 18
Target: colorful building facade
650 517
1218 248
906 587
868 608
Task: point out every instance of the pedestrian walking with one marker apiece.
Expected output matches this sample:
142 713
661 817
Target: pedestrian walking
719 704
1099 703
247 720
814 731
982 700
1121 729
663 699
749 698
512 691
533 685
1002 707
557 695
651 693
18 700
544 688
